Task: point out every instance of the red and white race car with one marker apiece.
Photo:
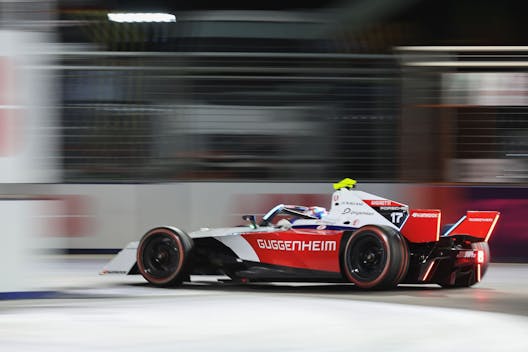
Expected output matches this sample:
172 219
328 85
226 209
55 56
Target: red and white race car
363 239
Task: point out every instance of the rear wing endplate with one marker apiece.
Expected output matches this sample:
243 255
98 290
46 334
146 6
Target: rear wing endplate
478 224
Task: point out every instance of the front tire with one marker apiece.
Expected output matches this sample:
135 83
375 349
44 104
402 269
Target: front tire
375 257
162 256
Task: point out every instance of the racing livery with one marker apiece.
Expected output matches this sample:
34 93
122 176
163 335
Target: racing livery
363 239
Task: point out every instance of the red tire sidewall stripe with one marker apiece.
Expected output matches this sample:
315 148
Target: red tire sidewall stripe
404 260
383 273
141 268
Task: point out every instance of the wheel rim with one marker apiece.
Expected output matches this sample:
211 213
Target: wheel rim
367 257
160 256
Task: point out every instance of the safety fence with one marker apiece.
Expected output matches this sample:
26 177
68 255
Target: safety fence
162 116
142 117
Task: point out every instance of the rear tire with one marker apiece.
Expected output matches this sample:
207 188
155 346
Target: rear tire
162 256
375 257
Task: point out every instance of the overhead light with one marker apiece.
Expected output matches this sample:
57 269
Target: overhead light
141 17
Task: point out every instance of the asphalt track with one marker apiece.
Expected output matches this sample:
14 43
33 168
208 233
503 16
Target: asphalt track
87 312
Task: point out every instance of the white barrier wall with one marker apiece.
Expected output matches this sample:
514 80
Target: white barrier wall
25 229
28 153
13 253
28 133
114 215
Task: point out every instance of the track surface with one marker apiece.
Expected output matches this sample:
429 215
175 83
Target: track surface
120 313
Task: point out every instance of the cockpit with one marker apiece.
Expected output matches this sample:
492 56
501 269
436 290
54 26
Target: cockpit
291 213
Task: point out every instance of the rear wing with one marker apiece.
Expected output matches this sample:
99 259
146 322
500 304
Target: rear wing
423 225
478 224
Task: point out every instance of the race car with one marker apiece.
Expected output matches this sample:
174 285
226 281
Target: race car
363 239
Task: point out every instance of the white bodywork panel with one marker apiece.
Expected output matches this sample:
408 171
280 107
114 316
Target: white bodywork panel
228 231
348 209
124 261
240 246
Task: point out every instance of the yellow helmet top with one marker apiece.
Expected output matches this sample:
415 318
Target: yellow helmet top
345 183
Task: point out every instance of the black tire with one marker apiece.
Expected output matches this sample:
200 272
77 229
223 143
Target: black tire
162 256
469 278
375 257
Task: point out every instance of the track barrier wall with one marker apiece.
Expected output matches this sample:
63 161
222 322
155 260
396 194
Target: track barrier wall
99 218
26 229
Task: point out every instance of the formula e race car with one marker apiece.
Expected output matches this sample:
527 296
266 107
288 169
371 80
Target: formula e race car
363 239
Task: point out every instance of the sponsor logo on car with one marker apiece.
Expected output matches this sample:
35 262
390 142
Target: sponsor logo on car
466 255
113 272
392 208
480 219
356 204
425 215
297 245
358 213
380 202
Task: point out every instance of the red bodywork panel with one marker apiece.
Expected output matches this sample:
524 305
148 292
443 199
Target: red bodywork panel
304 249
422 225
382 203
478 224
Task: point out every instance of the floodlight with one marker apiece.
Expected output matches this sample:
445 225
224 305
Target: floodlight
141 17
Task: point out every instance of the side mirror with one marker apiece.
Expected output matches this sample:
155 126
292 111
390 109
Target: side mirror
252 220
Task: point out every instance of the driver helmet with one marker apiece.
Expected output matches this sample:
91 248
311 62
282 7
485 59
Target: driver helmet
317 212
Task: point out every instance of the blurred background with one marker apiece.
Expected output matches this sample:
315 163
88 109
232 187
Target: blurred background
392 91
121 124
